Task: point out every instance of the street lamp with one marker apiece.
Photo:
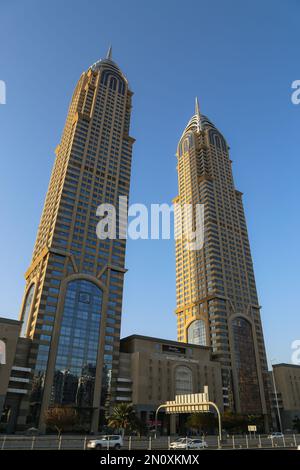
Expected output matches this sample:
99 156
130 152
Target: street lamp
276 397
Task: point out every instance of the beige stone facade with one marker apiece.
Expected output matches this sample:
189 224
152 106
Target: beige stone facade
287 385
73 298
154 370
217 302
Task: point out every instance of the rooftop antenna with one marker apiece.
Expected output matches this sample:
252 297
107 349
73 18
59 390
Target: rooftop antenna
109 53
197 113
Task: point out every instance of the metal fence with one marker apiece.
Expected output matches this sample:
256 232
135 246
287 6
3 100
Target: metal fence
69 442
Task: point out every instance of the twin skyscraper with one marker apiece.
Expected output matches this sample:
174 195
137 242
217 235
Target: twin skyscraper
73 298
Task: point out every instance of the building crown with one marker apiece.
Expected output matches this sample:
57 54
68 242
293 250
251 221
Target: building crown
107 62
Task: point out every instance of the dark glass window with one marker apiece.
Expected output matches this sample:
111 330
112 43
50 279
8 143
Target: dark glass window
246 366
78 345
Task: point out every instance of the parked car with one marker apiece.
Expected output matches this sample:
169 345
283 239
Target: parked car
112 441
180 443
276 435
197 444
298 448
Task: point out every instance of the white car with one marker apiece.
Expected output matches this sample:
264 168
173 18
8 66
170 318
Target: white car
298 448
112 441
180 443
276 435
197 444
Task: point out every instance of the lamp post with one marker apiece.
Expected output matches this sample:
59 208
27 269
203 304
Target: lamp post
276 398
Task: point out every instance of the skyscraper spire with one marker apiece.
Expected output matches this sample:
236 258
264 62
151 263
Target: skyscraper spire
197 113
197 106
109 53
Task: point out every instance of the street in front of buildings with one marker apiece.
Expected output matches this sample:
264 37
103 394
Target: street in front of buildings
68 442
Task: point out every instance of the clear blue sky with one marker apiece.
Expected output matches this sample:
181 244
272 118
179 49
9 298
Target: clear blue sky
240 58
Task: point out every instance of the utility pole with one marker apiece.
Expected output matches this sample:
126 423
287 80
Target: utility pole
276 400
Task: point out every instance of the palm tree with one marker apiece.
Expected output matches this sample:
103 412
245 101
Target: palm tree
122 417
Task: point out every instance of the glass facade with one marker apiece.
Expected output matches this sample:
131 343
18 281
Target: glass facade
183 380
197 333
76 359
246 366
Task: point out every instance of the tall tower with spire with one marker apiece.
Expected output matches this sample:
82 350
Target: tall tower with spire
217 302
73 296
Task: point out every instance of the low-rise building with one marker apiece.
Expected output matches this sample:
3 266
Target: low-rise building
286 384
154 370
15 376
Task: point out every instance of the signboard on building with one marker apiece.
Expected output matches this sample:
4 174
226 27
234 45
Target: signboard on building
168 348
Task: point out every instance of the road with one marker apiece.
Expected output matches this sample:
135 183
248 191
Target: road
18 442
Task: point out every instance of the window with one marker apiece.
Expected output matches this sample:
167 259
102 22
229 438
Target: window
84 298
197 333
183 380
246 366
75 367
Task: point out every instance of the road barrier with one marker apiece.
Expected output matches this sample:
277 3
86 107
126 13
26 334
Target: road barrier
79 442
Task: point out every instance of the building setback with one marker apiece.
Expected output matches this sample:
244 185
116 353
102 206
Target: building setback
286 383
73 298
217 302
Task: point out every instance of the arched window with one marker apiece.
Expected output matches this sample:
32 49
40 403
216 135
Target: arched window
2 352
118 80
217 139
246 366
113 83
183 380
26 309
186 145
197 333
78 344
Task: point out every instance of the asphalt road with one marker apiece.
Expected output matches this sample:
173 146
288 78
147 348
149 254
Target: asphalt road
15 442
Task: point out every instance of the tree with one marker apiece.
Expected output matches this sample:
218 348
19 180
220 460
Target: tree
60 418
122 417
137 425
234 422
201 422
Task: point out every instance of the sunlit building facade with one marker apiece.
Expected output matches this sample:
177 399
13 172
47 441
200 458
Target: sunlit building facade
217 302
74 285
